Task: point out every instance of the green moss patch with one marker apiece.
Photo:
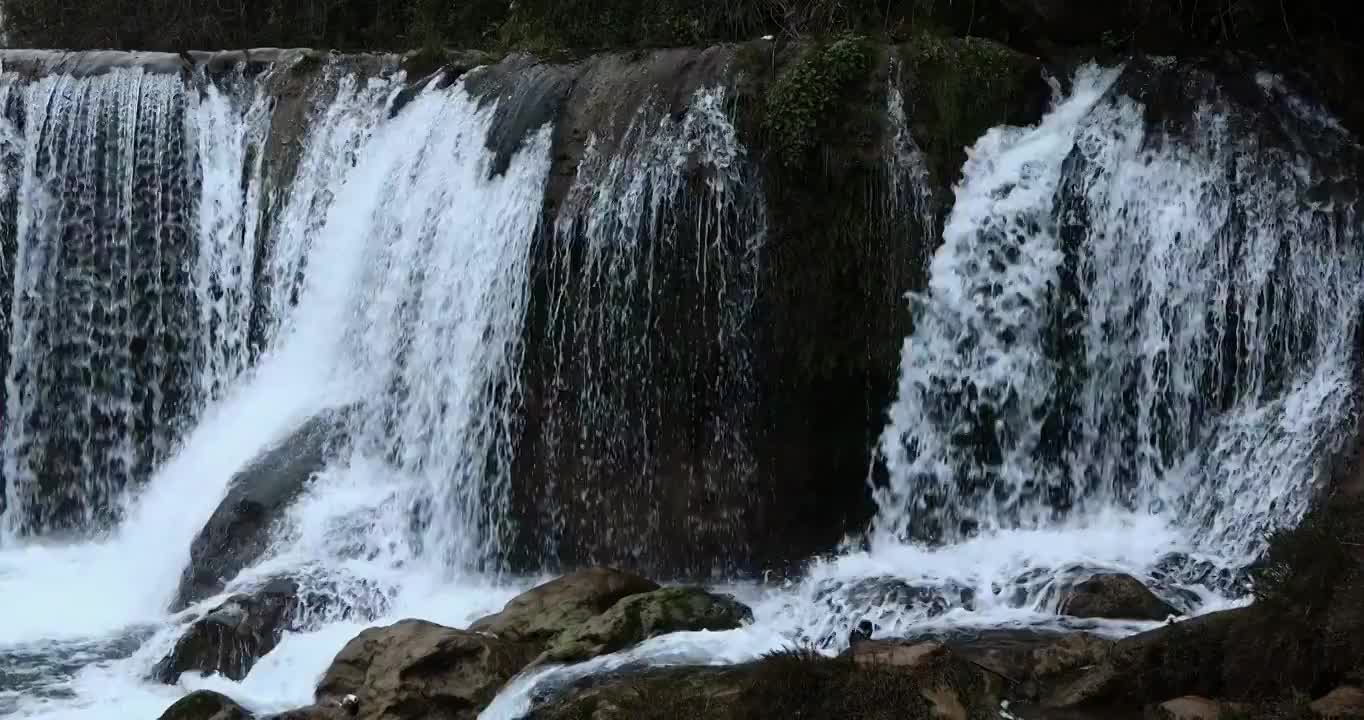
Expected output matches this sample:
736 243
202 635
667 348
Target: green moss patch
804 100
961 87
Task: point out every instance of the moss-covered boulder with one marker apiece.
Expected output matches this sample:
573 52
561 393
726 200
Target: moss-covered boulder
803 103
545 611
416 669
205 705
961 87
640 617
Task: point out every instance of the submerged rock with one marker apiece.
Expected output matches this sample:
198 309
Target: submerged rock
416 669
237 534
231 638
637 618
205 705
1114 597
542 613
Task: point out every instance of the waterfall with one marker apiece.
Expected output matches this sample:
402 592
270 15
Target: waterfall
394 267
1124 317
434 341
568 346
651 285
125 236
908 187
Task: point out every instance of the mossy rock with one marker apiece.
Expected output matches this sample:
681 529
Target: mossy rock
640 617
961 87
802 106
547 611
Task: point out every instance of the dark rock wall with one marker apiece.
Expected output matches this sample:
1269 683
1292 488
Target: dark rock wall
706 399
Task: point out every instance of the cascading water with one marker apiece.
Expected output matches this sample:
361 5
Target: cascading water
660 237
1125 319
406 296
908 189
125 278
1135 346
1134 352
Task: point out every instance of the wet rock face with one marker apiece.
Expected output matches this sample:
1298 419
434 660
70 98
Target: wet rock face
739 443
237 534
640 617
416 669
542 613
205 705
231 638
1114 597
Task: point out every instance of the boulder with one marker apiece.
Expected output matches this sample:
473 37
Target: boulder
237 534
1198 656
205 705
416 669
1114 597
233 636
665 694
1190 707
1340 704
542 613
637 618
1031 661
882 679
948 682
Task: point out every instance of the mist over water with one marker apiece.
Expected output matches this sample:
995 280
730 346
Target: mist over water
1132 355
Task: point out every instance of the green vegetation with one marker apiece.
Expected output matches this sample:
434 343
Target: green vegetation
961 87
802 101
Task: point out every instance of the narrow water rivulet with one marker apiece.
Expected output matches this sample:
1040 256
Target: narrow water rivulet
1133 353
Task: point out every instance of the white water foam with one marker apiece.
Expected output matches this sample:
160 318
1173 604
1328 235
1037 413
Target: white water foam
1126 319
